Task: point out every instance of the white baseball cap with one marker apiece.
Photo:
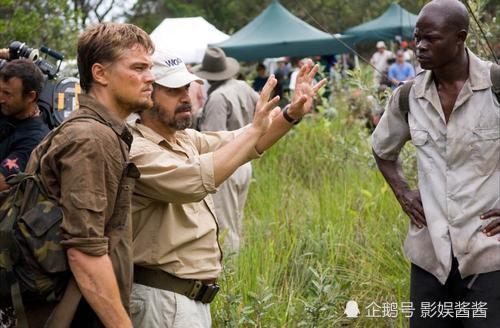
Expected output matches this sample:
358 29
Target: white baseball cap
381 44
170 71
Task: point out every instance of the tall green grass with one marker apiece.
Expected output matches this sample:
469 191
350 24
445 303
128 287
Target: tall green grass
321 228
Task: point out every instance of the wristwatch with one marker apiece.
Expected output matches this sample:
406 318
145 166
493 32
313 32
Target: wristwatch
290 119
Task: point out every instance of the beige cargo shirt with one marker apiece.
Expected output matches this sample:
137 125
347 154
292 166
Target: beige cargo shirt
458 170
174 222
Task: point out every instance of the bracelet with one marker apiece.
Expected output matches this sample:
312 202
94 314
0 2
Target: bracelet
290 119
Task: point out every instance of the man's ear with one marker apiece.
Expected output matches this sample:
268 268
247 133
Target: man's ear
100 74
31 96
462 36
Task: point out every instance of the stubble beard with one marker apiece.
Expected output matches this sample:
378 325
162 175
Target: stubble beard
10 111
136 106
171 121
182 124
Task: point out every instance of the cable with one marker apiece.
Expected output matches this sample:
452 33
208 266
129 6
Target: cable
337 38
482 31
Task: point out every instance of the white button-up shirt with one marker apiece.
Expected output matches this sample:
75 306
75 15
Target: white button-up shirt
458 170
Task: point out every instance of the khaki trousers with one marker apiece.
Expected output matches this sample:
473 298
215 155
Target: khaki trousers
230 203
154 308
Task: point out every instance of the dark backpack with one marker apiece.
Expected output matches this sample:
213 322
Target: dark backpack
404 94
33 264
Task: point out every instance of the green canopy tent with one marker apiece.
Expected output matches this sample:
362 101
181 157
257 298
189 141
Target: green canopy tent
395 21
276 32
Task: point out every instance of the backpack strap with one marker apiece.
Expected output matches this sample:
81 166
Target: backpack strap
63 313
495 80
404 93
54 132
404 99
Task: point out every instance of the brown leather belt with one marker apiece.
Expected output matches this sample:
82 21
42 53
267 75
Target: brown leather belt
198 290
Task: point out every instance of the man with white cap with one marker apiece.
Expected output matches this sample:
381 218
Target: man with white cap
230 106
177 257
380 61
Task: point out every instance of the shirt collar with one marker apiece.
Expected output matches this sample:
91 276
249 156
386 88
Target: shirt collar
479 76
144 131
95 106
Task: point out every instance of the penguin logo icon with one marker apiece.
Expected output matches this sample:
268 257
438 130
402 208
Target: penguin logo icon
352 309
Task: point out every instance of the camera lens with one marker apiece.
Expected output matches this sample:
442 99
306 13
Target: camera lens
20 50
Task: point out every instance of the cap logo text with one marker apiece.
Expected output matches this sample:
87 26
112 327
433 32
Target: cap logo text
173 62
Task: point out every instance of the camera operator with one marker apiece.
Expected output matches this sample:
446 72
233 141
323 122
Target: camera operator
21 125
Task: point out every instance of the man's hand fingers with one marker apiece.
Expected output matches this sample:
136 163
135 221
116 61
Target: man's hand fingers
492 228
301 101
415 221
271 104
319 85
303 72
490 213
417 206
265 94
419 217
416 203
494 231
418 209
275 112
312 73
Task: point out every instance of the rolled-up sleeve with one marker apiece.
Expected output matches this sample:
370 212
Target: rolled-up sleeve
90 179
392 132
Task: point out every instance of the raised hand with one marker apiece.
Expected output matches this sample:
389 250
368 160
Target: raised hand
305 92
263 117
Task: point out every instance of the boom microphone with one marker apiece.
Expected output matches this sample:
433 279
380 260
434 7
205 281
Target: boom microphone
52 53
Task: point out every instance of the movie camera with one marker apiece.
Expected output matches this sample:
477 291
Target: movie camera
59 95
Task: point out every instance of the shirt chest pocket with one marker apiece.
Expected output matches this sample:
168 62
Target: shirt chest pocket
423 143
486 150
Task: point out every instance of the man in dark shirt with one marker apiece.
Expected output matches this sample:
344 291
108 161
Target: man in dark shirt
21 125
261 78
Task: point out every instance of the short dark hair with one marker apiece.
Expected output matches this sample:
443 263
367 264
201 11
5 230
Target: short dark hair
102 43
25 70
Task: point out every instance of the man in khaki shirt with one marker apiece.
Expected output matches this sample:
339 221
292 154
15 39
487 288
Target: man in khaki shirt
454 123
176 252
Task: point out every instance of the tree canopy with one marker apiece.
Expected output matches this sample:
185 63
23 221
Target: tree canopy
56 23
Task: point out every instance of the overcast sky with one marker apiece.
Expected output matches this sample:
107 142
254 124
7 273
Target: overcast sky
118 11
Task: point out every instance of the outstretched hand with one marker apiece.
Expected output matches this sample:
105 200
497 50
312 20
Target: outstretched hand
264 108
302 101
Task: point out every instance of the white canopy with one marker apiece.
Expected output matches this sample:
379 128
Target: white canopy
186 37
